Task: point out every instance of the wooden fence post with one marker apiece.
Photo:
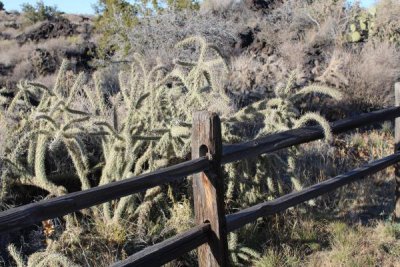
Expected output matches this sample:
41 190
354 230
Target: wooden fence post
397 149
208 188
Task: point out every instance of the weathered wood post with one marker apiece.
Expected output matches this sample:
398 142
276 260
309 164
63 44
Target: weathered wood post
397 149
208 188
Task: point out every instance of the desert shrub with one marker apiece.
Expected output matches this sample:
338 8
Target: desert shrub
373 86
156 37
1 6
39 12
386 24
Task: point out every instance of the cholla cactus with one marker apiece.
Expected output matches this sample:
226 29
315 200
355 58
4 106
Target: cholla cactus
40 259
273 174
239 254
202 77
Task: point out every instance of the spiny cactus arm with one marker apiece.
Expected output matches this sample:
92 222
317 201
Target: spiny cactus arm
123 87
5 90
17 257
16 167
36 258
121 208
15 100
138 58
142 159
283 92
40 158
3 100
141 99
130 158
42 87
76 112
50 259
100 101
335 94
79 81
144 216
31 154
43 117
221 59
320 120
195 40
163 144
184 63
56 106
57 89
26 137
79 159
180 131
157 69
176 73
71 123
109 128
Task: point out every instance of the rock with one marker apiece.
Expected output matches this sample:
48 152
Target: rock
82 54
49 29
5 69
246 38
262 5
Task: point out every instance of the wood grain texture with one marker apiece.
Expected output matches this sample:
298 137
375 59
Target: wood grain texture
208 189
239 219
396 213
20 217
302 135
169 249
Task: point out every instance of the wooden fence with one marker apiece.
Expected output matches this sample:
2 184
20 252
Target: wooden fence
208 153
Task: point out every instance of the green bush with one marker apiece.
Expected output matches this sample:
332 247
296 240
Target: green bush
39 12
115 18
1 6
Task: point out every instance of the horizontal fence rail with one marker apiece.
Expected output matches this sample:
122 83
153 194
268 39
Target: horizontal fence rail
245 216
302 135
169 249
165 251
21 217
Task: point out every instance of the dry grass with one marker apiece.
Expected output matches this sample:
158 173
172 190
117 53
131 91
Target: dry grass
374 84
357 245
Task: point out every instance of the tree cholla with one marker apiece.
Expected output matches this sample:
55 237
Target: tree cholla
142 127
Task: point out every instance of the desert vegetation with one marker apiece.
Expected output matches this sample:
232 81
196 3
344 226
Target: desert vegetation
89 100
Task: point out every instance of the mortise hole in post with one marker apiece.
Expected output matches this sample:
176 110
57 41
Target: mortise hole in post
203 150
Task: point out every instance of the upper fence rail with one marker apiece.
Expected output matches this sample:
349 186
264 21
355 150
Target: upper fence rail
26 215
302 135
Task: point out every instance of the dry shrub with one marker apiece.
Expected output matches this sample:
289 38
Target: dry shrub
22 71
12 53
255 77
373 72
156 37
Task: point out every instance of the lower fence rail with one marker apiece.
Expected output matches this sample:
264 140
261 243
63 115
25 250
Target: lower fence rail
174 247
169 249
